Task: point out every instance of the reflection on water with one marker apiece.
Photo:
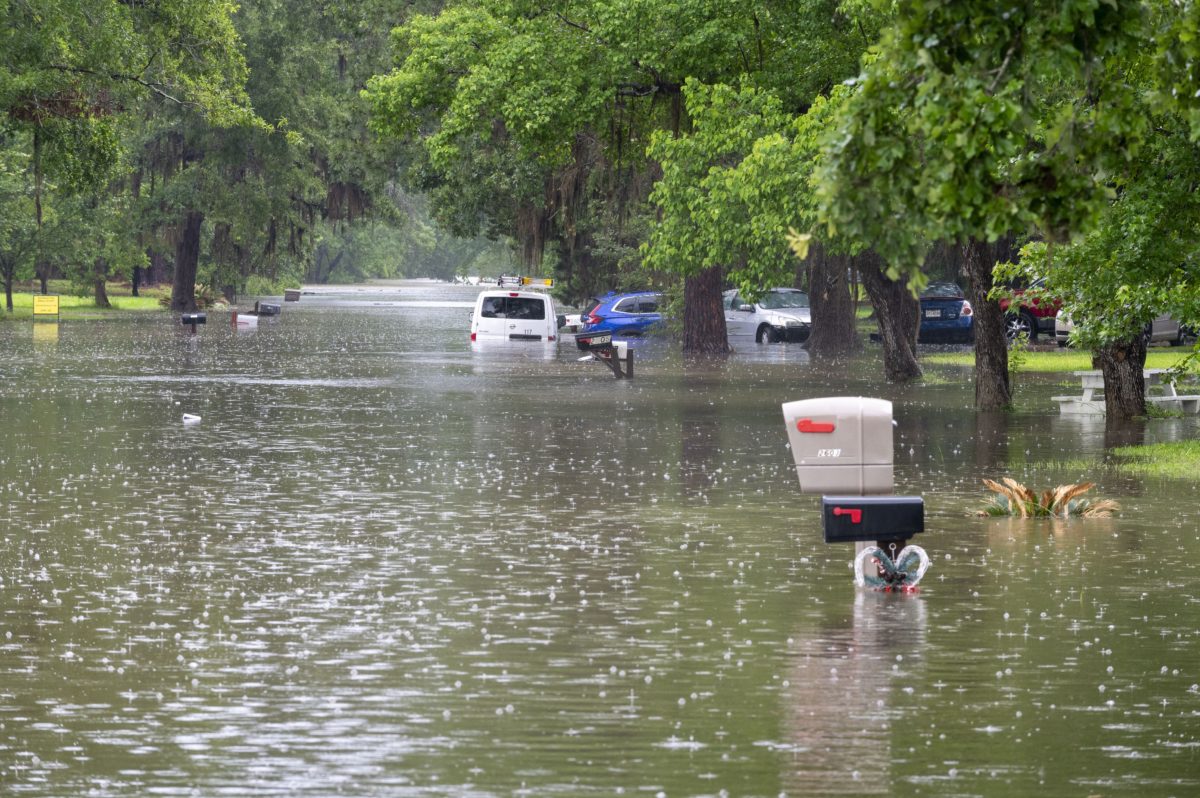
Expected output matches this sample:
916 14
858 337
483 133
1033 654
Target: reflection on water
386 563
839 720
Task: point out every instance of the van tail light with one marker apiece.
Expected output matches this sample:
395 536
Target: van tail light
966 309
472 336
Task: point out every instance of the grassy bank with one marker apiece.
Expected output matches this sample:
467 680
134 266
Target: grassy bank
1060 360
71 306
1173 460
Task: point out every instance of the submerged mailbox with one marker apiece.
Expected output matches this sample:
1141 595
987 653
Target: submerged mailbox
841 444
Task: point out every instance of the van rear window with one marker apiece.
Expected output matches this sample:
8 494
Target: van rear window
513 307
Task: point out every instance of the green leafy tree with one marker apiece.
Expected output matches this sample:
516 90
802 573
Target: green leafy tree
18 231
708 218
731 190
534 118
1140 261
69 71
968 124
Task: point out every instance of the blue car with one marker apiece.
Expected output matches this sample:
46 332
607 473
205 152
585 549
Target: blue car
946 315
625 315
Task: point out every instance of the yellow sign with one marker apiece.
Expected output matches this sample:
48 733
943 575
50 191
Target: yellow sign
45 306
546 281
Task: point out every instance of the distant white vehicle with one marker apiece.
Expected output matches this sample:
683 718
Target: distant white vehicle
1163 328
780 314
519 313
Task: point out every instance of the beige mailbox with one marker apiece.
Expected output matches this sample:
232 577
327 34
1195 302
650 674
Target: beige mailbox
841 444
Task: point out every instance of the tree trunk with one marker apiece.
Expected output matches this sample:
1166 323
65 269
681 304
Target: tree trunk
135 280
992 388
704 331
43 274
833 332
1124 385
99 281
187 261
159 268
896 312
7 276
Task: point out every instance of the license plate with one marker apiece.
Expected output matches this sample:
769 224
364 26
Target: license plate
933 314
594 341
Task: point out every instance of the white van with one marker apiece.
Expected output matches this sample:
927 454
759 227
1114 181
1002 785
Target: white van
515 315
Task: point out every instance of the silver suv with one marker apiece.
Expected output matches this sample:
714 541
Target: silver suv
781 314
1163 328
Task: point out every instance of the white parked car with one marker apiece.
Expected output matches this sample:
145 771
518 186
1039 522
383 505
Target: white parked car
515 315
1163 328
781 314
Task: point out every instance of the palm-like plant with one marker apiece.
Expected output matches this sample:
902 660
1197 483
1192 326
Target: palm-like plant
1013 498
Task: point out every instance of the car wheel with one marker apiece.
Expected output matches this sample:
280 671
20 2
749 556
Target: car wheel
1021 322
766 335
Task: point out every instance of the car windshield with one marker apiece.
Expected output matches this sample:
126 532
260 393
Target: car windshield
942 291
778 300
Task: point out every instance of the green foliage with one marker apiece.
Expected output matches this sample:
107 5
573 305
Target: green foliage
513 102
1171 460
1062 361
1143 257
1178 61
1018 354
734 187
971 123
18 233
1013 498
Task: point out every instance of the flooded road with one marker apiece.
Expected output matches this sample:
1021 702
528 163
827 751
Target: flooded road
386 564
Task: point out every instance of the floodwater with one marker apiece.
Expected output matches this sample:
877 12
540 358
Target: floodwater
386 564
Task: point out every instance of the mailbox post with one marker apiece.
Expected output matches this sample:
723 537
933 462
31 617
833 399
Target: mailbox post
842 448
615 354
192 319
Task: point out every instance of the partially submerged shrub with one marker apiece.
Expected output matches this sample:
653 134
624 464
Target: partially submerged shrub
1013 498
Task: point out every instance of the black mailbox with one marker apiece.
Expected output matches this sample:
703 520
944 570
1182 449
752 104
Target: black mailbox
194 318
589 341
267 309
847 519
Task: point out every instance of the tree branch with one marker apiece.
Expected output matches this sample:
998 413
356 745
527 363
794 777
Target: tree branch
157 88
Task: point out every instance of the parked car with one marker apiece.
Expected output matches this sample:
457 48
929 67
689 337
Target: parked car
1162 329
624 314
1034 317
507 315
781 314
946 315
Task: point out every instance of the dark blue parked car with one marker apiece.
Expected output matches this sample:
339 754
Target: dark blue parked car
946 315
623 314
